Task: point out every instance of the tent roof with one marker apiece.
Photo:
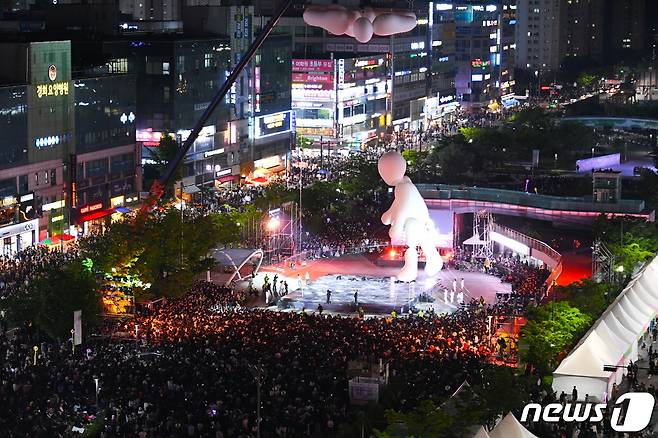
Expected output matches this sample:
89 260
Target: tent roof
509 427
617 329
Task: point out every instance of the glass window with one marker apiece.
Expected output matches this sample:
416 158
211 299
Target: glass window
96 168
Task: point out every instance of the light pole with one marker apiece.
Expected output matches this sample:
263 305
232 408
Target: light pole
258 372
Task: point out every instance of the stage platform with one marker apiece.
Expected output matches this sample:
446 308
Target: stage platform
377 293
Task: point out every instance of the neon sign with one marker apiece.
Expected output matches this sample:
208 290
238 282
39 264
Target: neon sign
55 89
91 207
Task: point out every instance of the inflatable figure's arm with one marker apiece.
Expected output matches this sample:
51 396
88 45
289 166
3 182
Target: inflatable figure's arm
387 217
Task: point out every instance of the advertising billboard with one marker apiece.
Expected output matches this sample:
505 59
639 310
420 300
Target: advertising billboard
273 124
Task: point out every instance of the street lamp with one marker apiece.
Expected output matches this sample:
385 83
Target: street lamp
258 373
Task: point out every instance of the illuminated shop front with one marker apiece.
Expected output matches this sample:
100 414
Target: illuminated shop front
14 238
342 100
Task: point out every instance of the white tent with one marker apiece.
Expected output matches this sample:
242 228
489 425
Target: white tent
477 432
509 427
612 340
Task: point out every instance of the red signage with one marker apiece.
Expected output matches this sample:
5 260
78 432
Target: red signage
91 207
306 65
313 78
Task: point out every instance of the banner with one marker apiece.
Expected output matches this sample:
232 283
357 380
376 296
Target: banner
306 65
77 327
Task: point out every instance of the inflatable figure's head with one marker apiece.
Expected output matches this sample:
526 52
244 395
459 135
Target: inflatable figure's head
392 167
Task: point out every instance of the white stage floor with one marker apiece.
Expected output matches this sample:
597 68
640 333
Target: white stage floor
376 291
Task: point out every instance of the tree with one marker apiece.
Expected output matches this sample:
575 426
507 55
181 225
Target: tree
50 299
551 329
424 421
588 296
162 156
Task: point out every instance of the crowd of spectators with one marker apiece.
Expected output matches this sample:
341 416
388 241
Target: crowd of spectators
190 371
17 269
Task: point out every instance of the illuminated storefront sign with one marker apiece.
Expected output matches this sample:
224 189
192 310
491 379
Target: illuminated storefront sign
89 208
363 63
310 86
54 89
272 124
306 65
329 132
317 95
478 63
149 138
312 78
341 72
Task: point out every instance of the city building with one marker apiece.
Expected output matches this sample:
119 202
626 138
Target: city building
581 30
441 99
260 119
343 101
483 30
538 35
68 143
626 27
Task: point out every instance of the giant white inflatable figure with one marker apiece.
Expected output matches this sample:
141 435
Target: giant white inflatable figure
409 218
360 24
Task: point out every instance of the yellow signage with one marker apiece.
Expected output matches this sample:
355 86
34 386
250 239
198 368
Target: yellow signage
54 89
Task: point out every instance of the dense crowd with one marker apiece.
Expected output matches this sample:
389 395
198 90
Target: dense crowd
191 372
16 270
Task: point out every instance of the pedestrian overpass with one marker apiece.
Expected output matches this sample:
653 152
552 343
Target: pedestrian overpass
614 122
567 210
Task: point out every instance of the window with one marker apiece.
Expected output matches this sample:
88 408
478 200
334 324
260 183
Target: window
119 65
165 68
166 91
96 168
208 60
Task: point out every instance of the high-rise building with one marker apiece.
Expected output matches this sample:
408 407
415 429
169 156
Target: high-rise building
538 35
483 30
68 144
581 29
626 28
442 97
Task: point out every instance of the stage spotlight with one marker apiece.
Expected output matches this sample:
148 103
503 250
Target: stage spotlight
273 224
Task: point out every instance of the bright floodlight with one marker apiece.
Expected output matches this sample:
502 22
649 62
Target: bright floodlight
273 224
360 24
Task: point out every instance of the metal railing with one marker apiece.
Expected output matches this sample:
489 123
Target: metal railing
546 202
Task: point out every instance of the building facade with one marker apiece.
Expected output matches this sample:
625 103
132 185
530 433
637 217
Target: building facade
58 125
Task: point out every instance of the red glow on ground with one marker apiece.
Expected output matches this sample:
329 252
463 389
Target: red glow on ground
574 268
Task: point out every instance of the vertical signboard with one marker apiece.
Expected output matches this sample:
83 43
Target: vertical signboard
77 327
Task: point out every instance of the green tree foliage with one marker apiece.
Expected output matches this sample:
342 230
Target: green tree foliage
498 392
50 299
424 421
632 241
162 250
587 80
552 328
590 297
304 142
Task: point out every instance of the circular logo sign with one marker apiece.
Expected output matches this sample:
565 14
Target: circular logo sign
52 72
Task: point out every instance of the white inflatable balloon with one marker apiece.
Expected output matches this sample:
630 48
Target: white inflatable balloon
360 24
362 30
409 218
391 24
335 20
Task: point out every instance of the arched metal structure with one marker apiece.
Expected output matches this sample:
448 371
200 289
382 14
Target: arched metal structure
234 259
